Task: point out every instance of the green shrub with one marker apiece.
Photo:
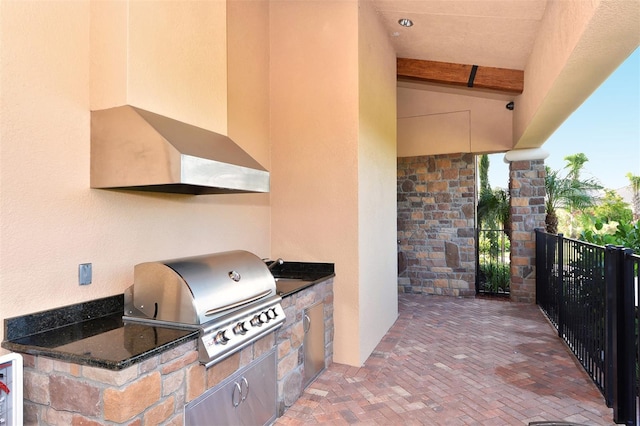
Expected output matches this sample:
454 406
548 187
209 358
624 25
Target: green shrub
497 277
625 234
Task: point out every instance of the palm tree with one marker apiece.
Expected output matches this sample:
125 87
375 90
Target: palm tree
635 187
493 209
484 173
493 215
493 204
566 192
575 163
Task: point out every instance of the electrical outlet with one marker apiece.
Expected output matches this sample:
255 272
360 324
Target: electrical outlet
84 273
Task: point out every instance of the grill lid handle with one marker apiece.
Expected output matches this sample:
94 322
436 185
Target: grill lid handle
236 304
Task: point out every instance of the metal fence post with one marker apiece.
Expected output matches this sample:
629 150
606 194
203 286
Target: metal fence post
477 260
560 286
624 366
620 389
611 277
540 266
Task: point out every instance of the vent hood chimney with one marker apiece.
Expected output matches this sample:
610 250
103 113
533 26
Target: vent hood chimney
136 149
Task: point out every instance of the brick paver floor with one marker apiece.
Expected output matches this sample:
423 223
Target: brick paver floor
450 361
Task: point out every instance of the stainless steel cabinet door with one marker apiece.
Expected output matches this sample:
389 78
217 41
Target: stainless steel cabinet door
259 404
246 398
213 407
313 322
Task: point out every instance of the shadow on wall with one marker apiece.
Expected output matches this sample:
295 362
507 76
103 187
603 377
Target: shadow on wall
402 263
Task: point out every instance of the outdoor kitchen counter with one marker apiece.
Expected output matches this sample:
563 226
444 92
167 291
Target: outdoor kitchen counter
84 365
91 333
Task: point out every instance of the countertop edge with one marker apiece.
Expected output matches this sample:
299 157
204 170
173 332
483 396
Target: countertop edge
306 285
97 362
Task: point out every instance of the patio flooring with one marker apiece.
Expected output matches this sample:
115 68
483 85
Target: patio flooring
451 361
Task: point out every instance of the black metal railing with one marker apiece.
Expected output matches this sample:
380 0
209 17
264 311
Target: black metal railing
493 273
635 260
636 282
588 294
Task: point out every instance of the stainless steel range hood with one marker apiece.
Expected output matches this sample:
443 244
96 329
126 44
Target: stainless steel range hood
136 149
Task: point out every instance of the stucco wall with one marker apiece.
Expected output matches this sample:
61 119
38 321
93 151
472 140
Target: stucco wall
431 122
314 131
580 44
333 154
61 59
248 76
177 60
376 181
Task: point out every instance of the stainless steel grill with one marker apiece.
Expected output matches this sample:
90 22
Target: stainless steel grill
230 297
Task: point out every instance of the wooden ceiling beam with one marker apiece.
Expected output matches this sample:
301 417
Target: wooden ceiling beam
500 79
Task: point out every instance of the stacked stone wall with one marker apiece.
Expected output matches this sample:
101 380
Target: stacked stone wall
152 392
527 189
436 224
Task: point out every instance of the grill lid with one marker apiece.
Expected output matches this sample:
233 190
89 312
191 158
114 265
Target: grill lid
197 290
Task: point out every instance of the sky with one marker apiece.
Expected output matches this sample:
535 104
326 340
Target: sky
606 128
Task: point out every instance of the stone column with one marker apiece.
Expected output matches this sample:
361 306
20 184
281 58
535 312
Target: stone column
526 186
436 209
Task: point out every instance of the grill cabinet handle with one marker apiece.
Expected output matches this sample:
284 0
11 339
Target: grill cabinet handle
244 394
233 394
236 304
306 324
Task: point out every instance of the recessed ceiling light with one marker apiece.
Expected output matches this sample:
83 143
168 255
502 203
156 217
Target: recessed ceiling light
405 22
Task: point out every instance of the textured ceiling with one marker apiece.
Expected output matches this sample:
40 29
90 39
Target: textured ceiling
493 33
566 48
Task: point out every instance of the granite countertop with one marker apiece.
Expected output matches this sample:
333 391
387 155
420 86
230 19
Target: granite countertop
292 277
91 333
94 333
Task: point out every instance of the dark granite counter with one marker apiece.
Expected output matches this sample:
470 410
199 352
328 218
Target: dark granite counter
292 277
91 333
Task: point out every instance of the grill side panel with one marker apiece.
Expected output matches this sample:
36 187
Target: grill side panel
159 293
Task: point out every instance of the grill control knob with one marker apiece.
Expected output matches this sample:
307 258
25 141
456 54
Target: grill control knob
264 318
221 338
256 321
240 328
271 313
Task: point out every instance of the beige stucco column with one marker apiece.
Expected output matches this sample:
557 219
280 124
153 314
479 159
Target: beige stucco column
527 190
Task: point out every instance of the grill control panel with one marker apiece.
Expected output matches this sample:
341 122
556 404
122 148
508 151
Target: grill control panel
238 331
11 390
